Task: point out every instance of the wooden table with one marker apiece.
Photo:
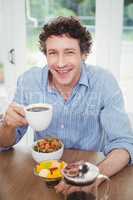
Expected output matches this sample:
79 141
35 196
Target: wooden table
17 181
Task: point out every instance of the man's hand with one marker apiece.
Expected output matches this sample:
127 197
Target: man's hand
15 116
66 189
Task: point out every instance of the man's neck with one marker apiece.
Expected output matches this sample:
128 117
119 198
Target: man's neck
64 90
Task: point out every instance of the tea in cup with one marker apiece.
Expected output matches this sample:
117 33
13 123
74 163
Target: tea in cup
39 115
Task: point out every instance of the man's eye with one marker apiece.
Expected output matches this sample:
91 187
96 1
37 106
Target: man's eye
52 53
70 52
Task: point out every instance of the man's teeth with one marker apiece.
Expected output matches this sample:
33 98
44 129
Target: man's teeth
63 71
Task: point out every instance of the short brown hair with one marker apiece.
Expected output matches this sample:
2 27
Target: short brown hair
70 26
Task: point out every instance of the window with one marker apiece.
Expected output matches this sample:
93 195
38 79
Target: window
126 67
38 12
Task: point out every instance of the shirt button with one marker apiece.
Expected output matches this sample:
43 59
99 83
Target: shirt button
62 125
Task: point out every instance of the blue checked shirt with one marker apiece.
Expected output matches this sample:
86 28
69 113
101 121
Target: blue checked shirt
93 118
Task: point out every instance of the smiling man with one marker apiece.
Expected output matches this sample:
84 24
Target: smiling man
64 60
88 105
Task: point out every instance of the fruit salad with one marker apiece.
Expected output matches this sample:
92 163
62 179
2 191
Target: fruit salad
50 169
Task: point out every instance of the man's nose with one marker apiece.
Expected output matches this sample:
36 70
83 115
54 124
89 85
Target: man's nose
61 62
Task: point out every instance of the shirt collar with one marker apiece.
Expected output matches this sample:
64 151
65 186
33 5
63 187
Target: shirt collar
46 76
84 76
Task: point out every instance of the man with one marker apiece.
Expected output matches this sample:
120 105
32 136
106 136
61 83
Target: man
88 105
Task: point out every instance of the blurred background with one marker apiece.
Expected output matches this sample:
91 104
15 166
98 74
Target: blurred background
109 21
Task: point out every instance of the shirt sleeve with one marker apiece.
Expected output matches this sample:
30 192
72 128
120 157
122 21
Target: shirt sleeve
19 98
114 119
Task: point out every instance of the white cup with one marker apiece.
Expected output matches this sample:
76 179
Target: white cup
39 115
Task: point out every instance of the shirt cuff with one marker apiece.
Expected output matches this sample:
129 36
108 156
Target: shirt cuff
19 134
4 149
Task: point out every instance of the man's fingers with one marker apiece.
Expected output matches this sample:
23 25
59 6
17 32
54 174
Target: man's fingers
15 116
62 187
66 189
73 189
15 119
18 109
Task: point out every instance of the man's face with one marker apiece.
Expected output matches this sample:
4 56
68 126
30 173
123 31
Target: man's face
64 59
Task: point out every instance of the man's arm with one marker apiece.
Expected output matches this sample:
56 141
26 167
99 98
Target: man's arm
115 161
7 135
117 130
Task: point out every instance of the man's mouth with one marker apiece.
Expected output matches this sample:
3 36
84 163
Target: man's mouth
63 71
